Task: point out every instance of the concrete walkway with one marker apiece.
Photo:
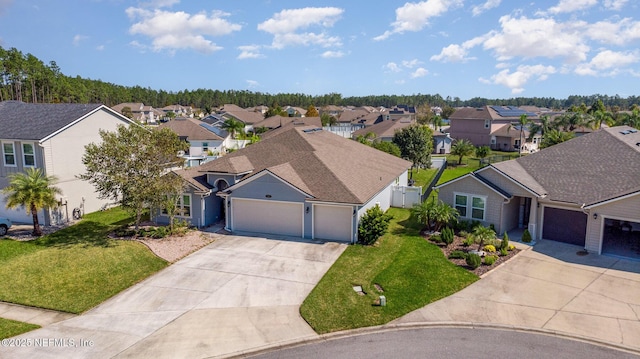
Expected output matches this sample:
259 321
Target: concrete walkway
550 287
237 293
32 315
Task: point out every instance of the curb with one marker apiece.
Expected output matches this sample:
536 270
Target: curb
409 326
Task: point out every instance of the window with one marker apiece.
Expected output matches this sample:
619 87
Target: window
487 123
183 208
470 206
28 155
9 154
205 147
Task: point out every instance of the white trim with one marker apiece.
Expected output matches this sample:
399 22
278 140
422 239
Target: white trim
612 200
512 180
475 178
101 107
24 155
4 158
261 174
469 205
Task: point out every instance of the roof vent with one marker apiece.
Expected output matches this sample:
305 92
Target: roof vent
638 144
633 131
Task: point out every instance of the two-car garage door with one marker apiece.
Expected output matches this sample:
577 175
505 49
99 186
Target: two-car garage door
272 217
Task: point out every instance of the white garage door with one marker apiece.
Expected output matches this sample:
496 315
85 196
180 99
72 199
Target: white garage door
332 222
267 217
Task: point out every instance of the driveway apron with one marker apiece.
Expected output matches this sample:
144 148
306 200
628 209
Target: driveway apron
552 288
237 293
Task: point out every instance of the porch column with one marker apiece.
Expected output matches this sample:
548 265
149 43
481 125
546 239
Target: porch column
533 217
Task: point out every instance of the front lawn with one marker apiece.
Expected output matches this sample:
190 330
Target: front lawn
11 328
76 268
411 271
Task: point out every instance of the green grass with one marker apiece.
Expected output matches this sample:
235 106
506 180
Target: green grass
423 177
11 328
75 268
412 272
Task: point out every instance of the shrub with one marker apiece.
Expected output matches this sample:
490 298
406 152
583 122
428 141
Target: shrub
489 260
504 251
526 236
458 255
511 247
473 260
490 248
447 235
373 225
436 238
463 234
467 241
492 226
505 241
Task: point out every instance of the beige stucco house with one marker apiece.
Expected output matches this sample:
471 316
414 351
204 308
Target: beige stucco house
52 137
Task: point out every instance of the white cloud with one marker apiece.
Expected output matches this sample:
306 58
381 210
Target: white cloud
615 5
393 67
252 84
77 39
459 53
100 47
517 79
287 27
619 33
419 72
332 54
565 6
411 63
250 52
415 16
490 4
179 30
539 37
608 63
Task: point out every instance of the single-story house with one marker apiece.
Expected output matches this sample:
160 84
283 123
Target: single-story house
585 191
301 182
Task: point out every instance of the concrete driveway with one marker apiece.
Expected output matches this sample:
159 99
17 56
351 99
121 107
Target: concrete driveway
551 288
237 293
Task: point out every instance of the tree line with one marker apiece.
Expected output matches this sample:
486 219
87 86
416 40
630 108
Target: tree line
24 77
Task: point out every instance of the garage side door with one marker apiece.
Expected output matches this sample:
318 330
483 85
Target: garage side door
267 217
564 226
332 222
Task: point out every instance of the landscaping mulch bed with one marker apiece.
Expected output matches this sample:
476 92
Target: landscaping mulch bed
457 246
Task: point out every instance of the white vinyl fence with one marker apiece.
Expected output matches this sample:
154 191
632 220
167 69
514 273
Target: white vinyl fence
405 196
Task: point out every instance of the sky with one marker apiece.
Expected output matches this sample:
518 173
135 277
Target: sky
455 48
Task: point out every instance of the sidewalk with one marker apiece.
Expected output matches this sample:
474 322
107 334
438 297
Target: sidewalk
39 316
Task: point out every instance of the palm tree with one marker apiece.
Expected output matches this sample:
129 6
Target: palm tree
433 214
461 148
232 126
33 190
482 234
523 121
554 137
543 127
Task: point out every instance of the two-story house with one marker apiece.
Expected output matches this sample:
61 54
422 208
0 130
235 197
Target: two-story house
206 142
53 137
490 126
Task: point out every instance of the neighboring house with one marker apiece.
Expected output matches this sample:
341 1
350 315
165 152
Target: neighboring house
295 111
53 137
205 143
278 121
385 129
478 124
178 110
441 142
400 111
506 137
249 118
140 112
300 181
585 191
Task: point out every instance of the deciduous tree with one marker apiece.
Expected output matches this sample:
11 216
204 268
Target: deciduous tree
416 144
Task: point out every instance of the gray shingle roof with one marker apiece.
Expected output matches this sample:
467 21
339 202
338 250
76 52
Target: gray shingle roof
326 166
588 169
35 121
